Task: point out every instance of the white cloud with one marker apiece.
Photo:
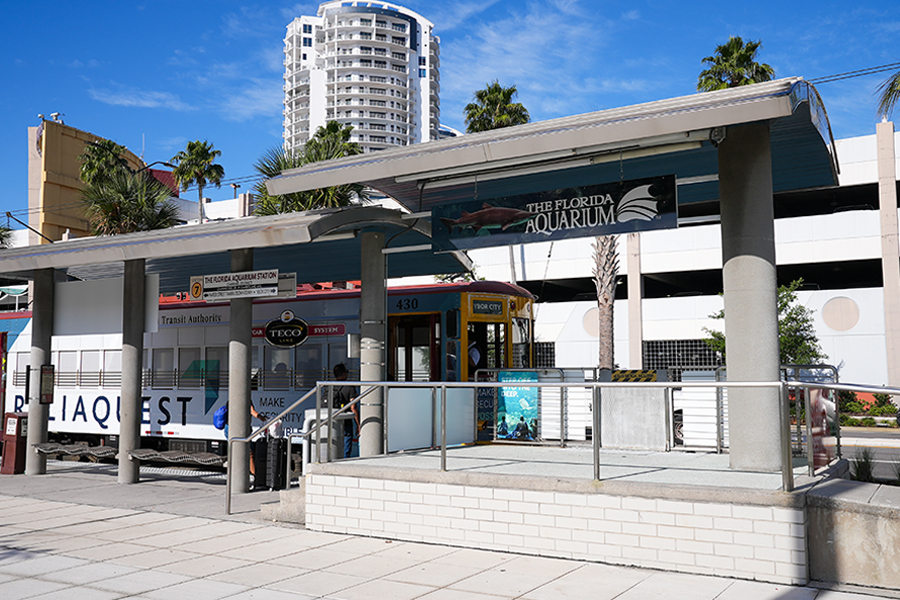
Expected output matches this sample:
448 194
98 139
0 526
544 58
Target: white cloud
139 99
261 97
450 15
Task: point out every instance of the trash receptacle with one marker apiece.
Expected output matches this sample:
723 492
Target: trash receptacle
15 443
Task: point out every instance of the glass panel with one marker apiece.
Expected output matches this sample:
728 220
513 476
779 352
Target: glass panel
90 360
67 369
112 360
277 374
163 368
90 368
309 365
216 361
189 367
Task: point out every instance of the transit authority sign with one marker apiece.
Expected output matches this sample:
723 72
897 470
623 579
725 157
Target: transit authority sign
248 284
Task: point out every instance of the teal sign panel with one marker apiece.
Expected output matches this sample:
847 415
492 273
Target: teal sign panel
583 211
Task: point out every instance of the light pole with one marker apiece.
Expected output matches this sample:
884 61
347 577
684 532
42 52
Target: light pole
235 187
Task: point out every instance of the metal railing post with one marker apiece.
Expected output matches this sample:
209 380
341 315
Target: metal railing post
562 411
329 440
444 428
595 429
787 455
809 438
228 480
318 440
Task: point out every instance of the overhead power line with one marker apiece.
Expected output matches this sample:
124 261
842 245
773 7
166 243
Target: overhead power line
857 73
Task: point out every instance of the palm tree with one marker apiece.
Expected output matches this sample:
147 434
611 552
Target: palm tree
5 237
733 65
100 159
330 142
890 94
493 108
195 166
125 202
606 269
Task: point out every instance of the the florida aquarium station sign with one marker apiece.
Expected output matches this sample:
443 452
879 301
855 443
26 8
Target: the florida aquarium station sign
602 209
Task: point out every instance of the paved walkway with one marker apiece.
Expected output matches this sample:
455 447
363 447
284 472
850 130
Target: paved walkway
77 534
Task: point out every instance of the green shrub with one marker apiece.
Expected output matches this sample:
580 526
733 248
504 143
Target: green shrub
883 411
848 421
846 397
868 422
853 408
862 466
882 400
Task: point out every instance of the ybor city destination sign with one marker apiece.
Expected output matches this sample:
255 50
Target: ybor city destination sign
592 210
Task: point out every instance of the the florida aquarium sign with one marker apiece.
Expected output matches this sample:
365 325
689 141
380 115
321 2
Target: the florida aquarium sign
602 209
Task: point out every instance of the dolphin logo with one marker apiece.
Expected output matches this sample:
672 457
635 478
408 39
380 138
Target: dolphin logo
489 217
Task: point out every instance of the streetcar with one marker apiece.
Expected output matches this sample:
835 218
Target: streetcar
438 332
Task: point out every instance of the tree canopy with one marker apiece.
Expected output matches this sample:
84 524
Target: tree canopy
493 108
125 202
330 142
797 340
889 95
734 64
100 160
195 165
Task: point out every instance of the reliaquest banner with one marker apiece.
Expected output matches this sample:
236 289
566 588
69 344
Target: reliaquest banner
602 209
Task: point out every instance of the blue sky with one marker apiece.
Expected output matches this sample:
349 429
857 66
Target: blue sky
152 75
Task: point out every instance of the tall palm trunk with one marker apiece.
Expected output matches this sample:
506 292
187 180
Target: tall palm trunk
606 268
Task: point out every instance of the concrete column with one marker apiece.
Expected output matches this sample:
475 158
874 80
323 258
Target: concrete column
239 357
372 315
751 314
890 249
635 302
41 335
133 300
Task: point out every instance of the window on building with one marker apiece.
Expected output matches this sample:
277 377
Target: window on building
307 28
678 356
380 64
304 56
365 22
400 41
423 72
544 355
307 42
423 61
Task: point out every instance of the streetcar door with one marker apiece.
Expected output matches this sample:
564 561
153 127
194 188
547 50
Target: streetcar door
415 348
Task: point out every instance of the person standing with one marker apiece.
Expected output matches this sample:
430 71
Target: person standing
341 396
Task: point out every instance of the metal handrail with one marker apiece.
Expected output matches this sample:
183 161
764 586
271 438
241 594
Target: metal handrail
780 386
273 420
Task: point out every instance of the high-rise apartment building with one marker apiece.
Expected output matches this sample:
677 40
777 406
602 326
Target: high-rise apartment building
372 65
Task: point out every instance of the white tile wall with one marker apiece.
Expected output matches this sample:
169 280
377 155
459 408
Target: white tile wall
750 542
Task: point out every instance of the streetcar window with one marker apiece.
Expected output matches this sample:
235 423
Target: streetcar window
189 367
112 361
217 361
309 365
276 374
521 342
90 368
163 368
67 369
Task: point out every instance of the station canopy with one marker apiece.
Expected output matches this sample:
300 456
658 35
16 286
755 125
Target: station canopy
676 137
320 245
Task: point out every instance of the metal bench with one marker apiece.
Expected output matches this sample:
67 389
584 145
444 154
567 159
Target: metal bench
77 450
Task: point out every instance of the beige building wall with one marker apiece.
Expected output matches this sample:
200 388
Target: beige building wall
54 184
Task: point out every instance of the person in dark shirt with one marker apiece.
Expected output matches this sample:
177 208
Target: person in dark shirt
341 396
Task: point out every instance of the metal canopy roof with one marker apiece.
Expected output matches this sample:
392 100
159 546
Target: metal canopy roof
675 136
321 245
